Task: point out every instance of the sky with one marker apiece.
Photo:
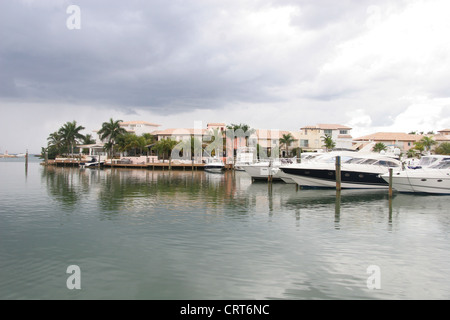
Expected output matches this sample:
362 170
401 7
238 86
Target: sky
372 65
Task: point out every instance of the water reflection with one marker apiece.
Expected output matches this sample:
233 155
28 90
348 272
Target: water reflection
232 194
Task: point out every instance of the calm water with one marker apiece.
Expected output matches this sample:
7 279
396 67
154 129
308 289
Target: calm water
138 234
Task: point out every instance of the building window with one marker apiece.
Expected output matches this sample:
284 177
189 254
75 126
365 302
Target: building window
328 132
343 131
304 143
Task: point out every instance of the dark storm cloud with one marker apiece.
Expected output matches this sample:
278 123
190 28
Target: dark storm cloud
133 53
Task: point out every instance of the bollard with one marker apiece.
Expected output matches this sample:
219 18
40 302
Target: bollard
338 173
390 181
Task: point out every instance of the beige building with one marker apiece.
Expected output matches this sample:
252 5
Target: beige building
311 136
403 141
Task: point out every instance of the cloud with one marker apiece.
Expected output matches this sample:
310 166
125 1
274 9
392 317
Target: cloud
282 64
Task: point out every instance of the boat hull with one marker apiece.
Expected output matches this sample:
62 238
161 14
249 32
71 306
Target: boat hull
214 168
262 172
326 178
421 182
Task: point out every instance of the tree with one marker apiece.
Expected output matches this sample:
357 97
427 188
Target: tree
165 146
88 139
419 147
378 147
428 142
443 148
411 153
246 129
286 140
112 131
329 144
70 134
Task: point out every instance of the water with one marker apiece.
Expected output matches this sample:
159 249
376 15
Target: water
142 234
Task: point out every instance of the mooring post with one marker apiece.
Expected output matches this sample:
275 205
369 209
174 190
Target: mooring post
338 173
391 171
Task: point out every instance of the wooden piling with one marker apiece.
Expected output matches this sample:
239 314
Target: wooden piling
391 170
338 173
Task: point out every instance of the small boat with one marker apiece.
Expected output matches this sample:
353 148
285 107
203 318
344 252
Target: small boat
245 156
93 163
434 179
263 170
214 165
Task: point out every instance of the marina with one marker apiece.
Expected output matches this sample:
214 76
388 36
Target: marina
173 234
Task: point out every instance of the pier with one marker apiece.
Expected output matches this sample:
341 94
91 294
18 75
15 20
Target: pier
150 165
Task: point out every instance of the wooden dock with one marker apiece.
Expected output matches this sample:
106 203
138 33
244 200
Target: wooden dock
150 165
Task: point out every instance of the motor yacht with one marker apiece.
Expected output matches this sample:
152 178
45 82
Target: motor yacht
434 179
358 170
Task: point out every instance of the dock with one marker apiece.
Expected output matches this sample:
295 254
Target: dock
149 166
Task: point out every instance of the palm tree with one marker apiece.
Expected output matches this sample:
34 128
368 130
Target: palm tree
428 142
378 147
419 147
88 139
165 146
246 129
70 133
329 144
55 145
443 148
286 140
111 130
411 153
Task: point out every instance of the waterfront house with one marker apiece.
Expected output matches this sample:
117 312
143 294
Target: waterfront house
403 141
139 127
311 136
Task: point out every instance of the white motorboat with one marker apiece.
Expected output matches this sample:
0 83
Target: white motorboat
214 165
434 179
245 156
427 161
358 170
93 163
263 170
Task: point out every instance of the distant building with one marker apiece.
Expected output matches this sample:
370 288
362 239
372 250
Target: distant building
442 136
139 127
179 134
311 136
445 132
403 141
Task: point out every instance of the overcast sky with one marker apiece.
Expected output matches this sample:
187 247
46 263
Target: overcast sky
373 65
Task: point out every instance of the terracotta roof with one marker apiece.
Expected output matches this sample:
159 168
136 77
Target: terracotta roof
445 130
345 136
390 136
267 134
325 126
216 124
180 131
126 123
442 137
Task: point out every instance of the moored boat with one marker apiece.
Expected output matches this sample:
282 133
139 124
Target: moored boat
358 171
434 179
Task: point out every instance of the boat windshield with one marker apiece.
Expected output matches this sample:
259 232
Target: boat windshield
441 165
427 161
386 163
